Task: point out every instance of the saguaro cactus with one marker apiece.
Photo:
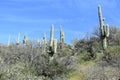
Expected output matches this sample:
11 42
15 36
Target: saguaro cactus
38 42
44 38
18 40
51 36
25 40
44 44
61 38
9 40
104 30
55 45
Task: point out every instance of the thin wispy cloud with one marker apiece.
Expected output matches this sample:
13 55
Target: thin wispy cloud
36 16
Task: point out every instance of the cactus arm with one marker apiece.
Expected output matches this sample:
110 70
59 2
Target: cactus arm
61 38
107 31
104 31
55 46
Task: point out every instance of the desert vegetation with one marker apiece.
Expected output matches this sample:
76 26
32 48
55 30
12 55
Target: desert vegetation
95 57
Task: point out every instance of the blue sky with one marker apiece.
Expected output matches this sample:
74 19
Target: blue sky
34 17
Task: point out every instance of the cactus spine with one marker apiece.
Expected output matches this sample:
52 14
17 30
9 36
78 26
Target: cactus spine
18 40
104 30
9 40
61 38
55 45
44 44
25 40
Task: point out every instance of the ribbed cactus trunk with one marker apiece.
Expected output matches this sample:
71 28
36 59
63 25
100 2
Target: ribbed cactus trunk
25 40
9 40
61 38
18 40
52 43
44 44
51 37
106 34
104 30
55 46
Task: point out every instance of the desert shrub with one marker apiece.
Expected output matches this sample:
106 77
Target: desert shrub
53 67
87 46
83 57
112 55
28 62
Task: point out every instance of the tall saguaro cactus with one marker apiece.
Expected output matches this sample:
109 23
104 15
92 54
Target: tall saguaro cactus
51 36
104 30
61 38
9 40
53 43
25 40
18 40
44 44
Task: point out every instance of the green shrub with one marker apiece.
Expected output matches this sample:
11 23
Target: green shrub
82 57
25 62
112 55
